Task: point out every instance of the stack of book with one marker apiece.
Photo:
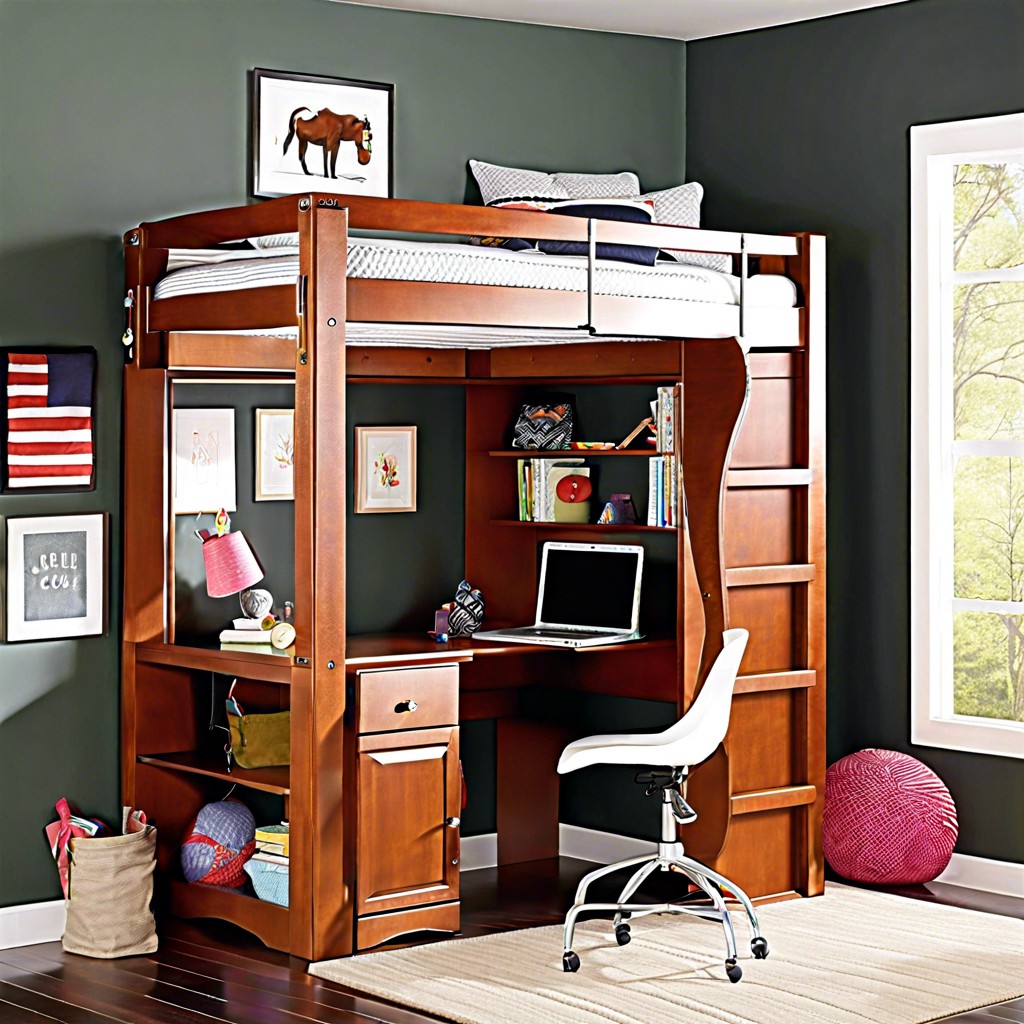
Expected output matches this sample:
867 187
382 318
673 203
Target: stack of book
272 840
245 634
662 479
268 866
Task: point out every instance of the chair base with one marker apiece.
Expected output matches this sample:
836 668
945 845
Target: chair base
708 903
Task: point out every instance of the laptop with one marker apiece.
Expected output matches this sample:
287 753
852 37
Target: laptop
588 594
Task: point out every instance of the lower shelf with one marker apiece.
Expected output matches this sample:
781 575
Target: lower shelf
267 921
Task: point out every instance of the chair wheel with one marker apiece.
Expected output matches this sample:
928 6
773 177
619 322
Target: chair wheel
622 935
759 947
570 962
733 970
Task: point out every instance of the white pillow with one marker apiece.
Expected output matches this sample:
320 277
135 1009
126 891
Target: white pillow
500 186
506 184
680 207
284 241
598 186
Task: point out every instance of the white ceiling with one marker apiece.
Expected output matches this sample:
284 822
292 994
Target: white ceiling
673 19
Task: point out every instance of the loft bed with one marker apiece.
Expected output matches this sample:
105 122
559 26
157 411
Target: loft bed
334 291
402 291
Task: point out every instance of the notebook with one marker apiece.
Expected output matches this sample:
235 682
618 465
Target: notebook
588 594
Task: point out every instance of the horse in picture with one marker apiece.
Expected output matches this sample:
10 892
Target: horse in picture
329 130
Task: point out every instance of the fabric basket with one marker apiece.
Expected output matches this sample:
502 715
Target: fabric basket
270 880
111 887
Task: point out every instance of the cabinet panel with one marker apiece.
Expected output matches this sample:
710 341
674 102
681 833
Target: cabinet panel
408 785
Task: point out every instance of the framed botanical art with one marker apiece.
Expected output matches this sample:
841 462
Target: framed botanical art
312 133
204 460
56 576
385 469
275 453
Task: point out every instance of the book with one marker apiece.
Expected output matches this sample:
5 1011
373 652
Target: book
270 858
253 649
277 849
652 492
244 636
273 839
554 471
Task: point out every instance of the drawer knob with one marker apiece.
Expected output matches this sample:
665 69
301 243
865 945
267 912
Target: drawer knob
405 705
453 822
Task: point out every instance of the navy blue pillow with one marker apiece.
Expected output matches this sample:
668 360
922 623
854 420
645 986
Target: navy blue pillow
612 210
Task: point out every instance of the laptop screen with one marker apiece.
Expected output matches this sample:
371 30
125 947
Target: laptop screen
590 585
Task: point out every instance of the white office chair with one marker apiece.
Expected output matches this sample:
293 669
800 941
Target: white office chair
691 740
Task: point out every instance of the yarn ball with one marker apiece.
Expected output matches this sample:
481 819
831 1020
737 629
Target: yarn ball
888 819
220 841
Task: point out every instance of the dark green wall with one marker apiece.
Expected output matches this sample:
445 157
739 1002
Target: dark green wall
116 111
805 128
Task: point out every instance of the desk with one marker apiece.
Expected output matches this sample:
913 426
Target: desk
404 856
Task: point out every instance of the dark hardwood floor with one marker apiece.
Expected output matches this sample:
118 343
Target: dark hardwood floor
208 972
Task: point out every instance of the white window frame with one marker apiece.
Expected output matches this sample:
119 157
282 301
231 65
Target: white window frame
934 149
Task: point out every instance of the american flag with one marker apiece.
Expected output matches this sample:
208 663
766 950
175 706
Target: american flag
49 419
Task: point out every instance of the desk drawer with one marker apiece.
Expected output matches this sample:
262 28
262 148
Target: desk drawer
408 698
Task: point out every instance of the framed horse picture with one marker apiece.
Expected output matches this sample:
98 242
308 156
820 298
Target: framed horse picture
311 133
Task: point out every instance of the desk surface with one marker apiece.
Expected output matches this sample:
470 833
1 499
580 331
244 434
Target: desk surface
418 647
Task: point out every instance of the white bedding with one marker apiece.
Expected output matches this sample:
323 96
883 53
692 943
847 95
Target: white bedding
397 259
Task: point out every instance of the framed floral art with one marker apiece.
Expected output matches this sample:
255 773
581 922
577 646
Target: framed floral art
385 469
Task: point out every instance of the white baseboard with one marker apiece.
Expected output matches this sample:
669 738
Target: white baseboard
600 847
999 876
573 841
34 922
479 852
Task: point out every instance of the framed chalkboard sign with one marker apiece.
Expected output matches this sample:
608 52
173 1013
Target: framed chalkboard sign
56 576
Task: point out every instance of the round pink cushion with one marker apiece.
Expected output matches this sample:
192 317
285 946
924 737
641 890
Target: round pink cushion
888 819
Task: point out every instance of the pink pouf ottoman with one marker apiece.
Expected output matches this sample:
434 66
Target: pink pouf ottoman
888 819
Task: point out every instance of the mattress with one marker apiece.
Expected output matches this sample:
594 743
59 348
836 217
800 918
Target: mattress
196 271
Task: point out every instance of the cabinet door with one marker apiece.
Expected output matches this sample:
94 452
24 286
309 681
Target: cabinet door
409 804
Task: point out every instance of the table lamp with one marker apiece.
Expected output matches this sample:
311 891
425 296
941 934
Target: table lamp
231 566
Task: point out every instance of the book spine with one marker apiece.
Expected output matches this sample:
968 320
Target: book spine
668 417
652 492
661 490
673 492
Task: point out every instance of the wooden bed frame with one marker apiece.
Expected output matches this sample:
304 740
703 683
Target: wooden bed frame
752 554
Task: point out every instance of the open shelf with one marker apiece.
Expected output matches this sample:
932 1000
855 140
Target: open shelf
575 453
606 527
267 921
214 766
270 666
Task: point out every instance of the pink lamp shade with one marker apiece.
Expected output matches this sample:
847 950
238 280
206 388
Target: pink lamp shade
230 565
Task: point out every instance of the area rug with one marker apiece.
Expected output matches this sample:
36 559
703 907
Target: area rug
851 955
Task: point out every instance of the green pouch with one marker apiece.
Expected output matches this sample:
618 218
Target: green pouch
258 741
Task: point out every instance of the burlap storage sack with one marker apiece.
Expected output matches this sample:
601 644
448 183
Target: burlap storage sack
111 889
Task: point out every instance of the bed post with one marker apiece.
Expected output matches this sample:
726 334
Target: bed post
321 925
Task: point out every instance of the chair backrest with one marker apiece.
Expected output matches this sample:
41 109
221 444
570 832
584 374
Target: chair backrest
707 721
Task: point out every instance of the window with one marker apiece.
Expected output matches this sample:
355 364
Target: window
967 435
